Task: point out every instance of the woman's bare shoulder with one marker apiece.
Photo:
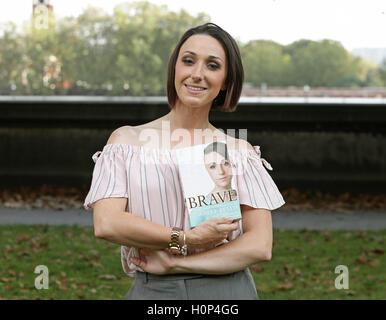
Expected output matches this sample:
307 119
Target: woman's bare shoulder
131 134
238 144
124 134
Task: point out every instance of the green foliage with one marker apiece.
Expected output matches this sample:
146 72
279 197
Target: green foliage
319 64
121 54
127 53
265 62
382 72
323 63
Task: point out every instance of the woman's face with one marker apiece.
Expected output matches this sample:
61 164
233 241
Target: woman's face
200 70
219 169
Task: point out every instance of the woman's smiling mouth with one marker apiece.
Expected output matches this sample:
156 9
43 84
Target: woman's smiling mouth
194 89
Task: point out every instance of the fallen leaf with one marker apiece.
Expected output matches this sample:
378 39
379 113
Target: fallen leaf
107 277
12 272
96 264
310 239
256 268
287 269
285 286
9 249
22 237
360 259
374 263
378 251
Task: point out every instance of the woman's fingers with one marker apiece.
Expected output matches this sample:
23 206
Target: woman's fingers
227 227
221 220
138 262
210 231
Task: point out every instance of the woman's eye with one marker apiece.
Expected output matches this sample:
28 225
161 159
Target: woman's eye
212 166
187 60
226 163
213 66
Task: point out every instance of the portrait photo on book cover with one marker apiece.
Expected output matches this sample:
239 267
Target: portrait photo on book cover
206 173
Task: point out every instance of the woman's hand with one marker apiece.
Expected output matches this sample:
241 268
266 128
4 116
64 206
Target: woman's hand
210 232
154 261
204 235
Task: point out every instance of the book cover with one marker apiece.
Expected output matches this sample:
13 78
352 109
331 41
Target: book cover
206 174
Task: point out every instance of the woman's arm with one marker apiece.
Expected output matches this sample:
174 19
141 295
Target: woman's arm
114 224
254 245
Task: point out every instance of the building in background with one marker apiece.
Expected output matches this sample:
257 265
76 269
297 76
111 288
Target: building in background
42 15
376 55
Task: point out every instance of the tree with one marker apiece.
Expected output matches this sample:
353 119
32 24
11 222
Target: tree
145 36
11 57
265 62
323 64
382 72
127 53
121 54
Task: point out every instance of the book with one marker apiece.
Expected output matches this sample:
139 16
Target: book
206 175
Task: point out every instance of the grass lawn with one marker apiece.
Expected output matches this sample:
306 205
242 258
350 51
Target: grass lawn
84 267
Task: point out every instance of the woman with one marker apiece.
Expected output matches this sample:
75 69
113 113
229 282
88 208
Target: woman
136 194
219 168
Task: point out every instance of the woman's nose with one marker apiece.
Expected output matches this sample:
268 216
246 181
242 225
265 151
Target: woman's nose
220 169
197 72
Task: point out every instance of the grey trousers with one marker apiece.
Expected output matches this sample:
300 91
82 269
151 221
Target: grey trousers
234 286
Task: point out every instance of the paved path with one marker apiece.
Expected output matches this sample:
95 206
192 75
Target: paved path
282 220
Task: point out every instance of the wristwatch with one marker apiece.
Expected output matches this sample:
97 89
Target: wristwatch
174 245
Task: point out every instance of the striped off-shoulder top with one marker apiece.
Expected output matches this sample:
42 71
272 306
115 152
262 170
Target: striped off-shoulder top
149 179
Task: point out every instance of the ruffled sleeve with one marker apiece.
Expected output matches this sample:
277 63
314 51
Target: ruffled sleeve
255 186
108 177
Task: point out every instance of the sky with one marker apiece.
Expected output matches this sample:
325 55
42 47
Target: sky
354 23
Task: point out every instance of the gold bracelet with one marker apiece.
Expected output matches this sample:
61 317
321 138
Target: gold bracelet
174 246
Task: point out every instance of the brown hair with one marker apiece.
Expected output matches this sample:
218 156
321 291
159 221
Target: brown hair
227 99
218 147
